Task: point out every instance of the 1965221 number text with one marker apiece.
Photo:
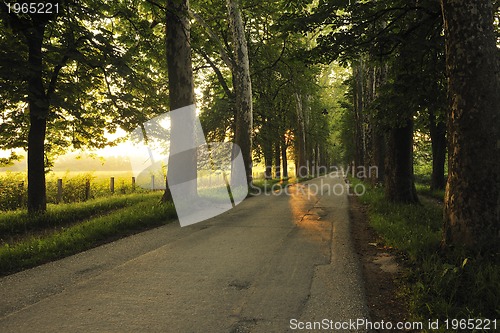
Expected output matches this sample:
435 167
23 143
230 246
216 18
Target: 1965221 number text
33 8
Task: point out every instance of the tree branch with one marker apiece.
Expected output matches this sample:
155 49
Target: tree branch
111 96
219 75
224 55
156 4
274 62
55 74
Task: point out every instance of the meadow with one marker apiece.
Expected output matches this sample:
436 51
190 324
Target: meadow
76 187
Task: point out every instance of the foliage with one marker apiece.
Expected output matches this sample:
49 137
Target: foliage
97 56
347 29
9 161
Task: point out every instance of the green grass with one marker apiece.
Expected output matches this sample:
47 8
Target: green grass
424 189
19 221
142 212
437 285
410 228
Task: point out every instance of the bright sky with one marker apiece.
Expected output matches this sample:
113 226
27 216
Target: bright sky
124 149
4 154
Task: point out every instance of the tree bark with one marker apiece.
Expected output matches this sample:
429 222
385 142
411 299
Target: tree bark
242 87
268 159
284 158
369 87
437 131
317 160
277 160
301 167
39 110
399 182
358 115
180 85
379 145
472 202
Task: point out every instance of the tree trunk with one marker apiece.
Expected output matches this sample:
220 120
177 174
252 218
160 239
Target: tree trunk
399 182
277 160
358 115
472 202
368 119
268 159
317 159
39 110
181 91
438 141
284 158
379 138
379 144
301 167
242 87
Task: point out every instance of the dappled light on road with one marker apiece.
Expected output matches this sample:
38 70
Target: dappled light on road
306 213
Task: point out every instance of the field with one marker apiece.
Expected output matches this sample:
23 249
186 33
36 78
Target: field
76 187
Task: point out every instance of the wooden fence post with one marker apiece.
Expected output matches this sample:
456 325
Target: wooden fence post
112 184
59 190
133 184
152 182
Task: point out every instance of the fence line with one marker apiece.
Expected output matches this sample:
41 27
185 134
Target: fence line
13 191
112 187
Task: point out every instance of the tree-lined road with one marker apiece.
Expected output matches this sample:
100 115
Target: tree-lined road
271 259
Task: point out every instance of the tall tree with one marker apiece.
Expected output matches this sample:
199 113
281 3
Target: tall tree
399 182
359 103
472 197
301 167
38 100
71 65
181 91
242 86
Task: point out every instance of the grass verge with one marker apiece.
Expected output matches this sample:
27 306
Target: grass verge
33 251
437 285
19 221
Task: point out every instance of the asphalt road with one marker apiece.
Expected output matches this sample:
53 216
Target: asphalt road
274 263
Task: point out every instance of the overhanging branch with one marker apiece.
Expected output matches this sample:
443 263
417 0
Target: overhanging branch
224 55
